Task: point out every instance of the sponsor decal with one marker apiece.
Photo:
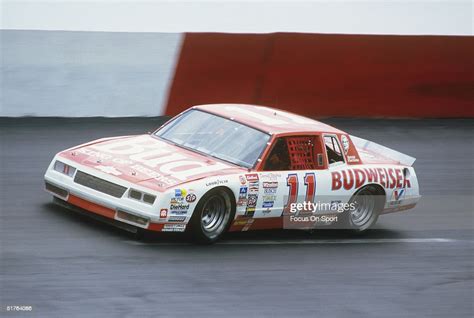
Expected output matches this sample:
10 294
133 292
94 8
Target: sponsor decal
163 213
174 228
176 200
249 212
109 169
242 180
95 154
272 184
253 177
269 198
345 143
399 208
244 222
179 207
190 198
389 178
216 183
253 189
267 204
270 176
179 193
352 159
252 197
178 212
153 174
240 222
242 200
181 200
178 204
269 191
397 196
252 200
176 218
144 150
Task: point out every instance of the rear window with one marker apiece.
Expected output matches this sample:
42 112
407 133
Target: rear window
333 150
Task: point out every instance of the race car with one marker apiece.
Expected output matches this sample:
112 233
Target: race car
233 167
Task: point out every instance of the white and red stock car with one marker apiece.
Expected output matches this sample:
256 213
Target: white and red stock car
229 167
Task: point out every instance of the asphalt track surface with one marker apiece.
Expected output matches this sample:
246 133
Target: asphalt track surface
417 263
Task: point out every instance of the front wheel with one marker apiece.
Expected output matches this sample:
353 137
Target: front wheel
212 216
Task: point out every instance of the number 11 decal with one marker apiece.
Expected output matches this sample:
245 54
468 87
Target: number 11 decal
310 183
292 183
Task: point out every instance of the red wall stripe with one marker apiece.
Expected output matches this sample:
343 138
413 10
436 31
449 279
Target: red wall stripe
328 75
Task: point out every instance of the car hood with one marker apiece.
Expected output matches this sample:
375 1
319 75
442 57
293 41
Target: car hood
147 161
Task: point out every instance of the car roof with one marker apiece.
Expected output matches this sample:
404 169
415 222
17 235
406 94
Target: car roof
271 120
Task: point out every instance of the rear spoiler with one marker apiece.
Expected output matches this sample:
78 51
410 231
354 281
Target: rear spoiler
386 152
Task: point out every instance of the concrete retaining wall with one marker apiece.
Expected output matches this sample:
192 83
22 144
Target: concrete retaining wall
81 74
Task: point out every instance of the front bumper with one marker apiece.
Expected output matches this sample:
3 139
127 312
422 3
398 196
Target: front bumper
95 216
121 209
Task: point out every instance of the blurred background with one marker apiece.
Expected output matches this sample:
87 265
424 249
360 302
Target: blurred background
317 58
399 72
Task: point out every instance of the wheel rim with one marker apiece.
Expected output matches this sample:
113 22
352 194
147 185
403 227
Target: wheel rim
364 210
215 214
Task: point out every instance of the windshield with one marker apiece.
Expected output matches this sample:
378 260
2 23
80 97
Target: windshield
216 136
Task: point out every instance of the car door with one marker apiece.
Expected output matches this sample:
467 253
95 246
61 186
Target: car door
290 174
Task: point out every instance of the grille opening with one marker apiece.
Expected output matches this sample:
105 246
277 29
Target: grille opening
134 194
148 198
57 190
132 218
98 184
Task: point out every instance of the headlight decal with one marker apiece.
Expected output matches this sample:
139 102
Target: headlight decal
64 168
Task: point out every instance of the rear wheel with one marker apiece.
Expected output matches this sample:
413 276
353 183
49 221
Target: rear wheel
366 205
212 216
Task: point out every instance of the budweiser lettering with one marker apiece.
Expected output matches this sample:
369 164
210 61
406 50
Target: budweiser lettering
355 178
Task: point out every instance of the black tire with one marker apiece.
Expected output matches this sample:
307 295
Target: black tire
212 216
368 203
